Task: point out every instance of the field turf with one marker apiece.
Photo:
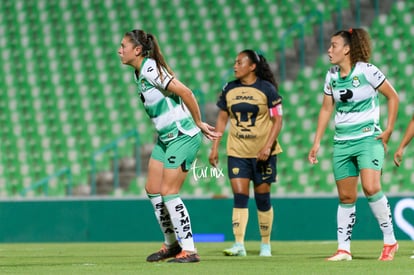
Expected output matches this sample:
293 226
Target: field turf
129 258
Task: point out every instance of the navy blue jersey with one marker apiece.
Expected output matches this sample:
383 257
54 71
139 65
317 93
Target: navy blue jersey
248 108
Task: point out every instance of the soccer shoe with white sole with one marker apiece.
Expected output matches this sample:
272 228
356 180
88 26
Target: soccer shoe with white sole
265 250
164 253
186 257
236 250
340 255
388 252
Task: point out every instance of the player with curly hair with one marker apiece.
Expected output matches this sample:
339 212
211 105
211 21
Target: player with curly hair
351 91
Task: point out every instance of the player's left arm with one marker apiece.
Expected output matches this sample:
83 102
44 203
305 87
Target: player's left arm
275 113
177 87
392 103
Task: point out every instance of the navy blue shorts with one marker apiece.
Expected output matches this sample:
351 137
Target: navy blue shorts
250 168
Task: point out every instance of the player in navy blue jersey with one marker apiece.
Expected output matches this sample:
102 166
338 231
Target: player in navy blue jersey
254 108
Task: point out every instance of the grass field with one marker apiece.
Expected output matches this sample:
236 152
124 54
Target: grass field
129 258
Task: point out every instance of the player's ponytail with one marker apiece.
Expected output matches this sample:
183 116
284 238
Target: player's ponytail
263 70
150 48
360 46
156 54
359 43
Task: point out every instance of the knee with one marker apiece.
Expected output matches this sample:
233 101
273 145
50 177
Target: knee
370 191
347 198
263 201
347 195
240 200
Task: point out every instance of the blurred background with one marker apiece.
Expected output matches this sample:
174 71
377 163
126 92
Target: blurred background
72 124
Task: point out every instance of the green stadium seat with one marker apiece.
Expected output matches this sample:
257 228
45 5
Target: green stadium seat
72 95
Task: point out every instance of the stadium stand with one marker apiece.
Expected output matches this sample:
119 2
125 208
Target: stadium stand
398 67
65 95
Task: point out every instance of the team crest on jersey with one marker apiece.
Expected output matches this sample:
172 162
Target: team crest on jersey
355 81
235 170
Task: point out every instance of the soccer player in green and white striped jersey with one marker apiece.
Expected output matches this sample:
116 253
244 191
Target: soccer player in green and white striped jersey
351 90
175 113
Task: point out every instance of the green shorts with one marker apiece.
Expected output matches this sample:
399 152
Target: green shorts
180 151
350 156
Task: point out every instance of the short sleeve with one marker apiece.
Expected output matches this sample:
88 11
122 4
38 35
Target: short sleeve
222 102
374 76
153 76
327 86
273 97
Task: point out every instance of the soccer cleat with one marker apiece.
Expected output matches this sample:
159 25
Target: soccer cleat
164 253
340 255
185 257
388 252
265 250
236 250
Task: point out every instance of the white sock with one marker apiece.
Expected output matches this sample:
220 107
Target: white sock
382 212
180 220
163 218
345 220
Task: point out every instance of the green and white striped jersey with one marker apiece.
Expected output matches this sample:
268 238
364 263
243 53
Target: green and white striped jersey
166 110
356 100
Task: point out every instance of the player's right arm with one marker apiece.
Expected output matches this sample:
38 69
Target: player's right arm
323 120
221 123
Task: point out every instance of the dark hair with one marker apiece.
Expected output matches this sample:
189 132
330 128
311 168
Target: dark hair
263 70
150 48
359 42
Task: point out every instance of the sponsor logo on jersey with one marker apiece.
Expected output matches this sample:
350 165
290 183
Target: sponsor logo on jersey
244 97
245 136
366 129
